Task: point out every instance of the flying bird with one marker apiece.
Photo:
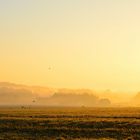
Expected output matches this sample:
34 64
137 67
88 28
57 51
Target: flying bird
49 68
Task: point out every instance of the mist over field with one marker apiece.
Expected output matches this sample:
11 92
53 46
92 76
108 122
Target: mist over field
14 94
69 69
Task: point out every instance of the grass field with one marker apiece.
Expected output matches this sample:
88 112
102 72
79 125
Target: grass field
69 123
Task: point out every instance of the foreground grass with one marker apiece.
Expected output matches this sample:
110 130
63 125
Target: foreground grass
69 123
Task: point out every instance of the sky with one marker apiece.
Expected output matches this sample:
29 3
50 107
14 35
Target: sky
71 44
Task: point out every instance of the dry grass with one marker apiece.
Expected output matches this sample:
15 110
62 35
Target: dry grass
69 123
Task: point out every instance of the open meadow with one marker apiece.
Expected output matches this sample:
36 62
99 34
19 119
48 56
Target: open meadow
53 123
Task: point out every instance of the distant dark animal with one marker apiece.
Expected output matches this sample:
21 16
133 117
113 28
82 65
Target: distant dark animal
23 107
33 101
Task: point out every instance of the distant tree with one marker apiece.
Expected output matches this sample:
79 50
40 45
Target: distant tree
104 102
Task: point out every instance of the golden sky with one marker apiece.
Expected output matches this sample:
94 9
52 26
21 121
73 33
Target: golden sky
71 43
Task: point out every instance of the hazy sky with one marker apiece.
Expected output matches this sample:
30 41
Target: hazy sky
71 43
